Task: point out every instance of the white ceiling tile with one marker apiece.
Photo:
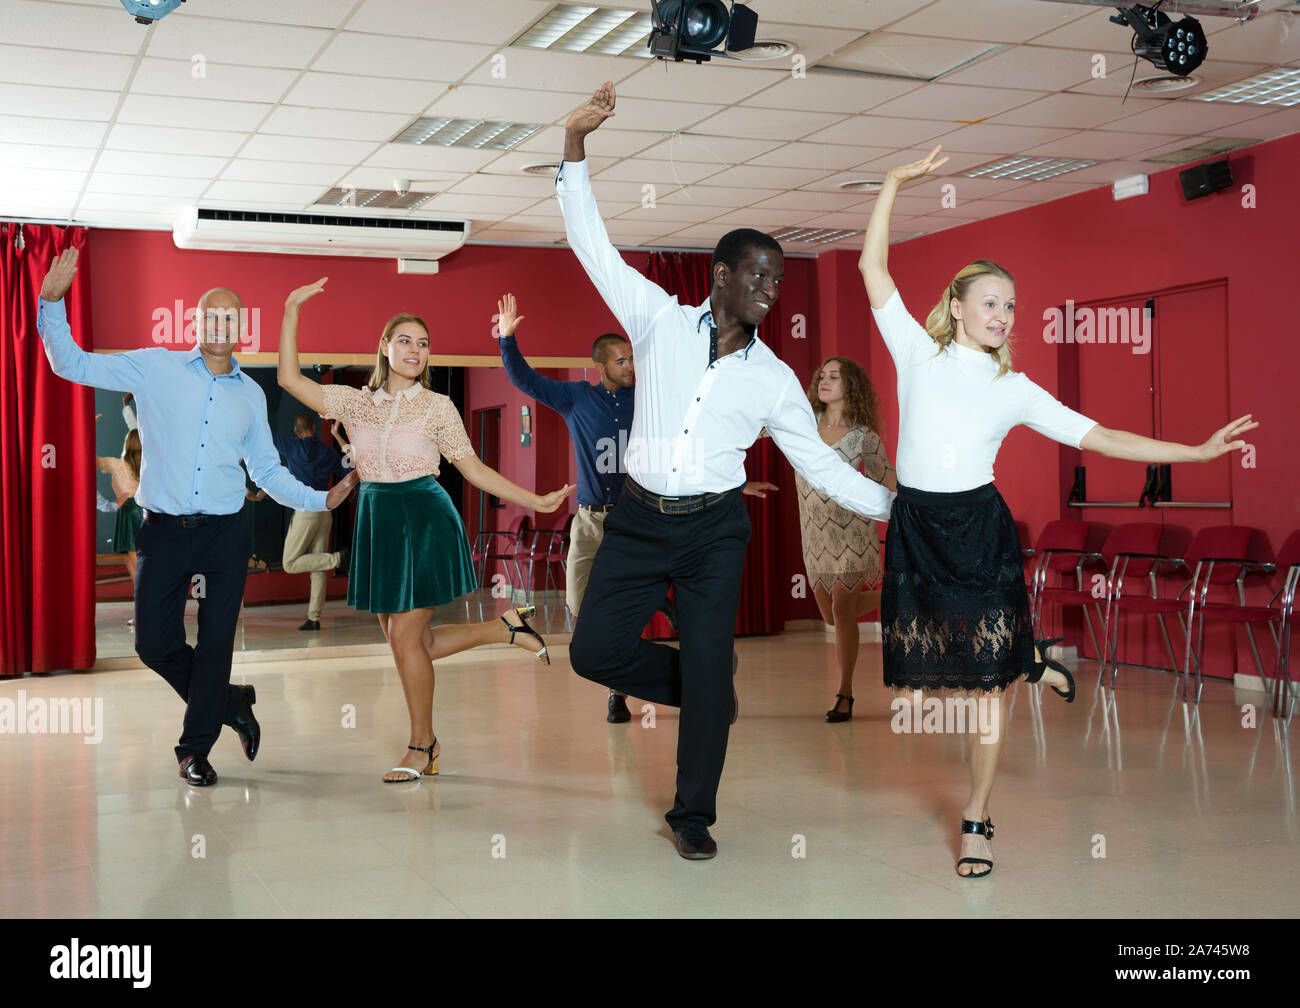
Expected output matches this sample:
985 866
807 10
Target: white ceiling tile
234 42
58 132
706 149
847 221
1272 123
53 179
419 158
666 214
763 219
627 192
1120 72
709 195
621 233
470 205
62 26
385 178
661 174
1053 189
313 173
36 201
987 138
374 126
766 124
220 81
1169 146
56 67
549 210
346 91
536 187
957 162
165 110
153 163
166 206
453 22
1034 67
210 143
1078 111
663 117
264 147
1103 173
1093 32
829 157
1187 116
880 131
812 202
163 186
513 162
965 190
832 13
1095 145
505 104
990 20
383 56
612 142
14 155
1270 38
312 13
914 56
553 70
830 91
715 82
278 192
812 43
765 177
57 102
954 103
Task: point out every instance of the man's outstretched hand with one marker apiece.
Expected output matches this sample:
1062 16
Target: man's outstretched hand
586 118
340 490
59 278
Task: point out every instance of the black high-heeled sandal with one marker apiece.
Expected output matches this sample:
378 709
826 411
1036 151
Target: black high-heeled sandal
984 829
1042 666
430 770
835 715
523 613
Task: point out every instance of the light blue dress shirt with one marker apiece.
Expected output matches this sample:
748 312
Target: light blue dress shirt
195 427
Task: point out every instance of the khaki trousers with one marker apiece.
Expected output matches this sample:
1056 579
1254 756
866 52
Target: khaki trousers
585 534
304 553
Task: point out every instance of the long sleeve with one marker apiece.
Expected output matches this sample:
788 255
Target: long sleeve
794 430
128 414
905 337
122 372
634 300
264 468
1050 417
556 394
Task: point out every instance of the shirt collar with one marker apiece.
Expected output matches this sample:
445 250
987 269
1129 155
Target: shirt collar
196 354
381 394
706 316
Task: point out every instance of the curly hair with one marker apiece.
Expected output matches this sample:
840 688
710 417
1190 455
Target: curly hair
861 408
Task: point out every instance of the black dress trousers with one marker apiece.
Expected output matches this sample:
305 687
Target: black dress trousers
702 555
211 561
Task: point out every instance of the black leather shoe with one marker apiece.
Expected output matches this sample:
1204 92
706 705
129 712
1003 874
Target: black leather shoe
246 726
618 712
342 568
197 770
311 624
695 844
669 609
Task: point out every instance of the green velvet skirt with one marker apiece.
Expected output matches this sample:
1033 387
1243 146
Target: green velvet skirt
408 548
129 519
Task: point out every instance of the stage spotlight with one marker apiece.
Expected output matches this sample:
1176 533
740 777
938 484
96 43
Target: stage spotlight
1177 46
693 29
148 11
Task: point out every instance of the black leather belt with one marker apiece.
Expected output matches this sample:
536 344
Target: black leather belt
674 505
597 508
182 521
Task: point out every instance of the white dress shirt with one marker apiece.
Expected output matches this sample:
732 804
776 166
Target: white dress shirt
695 419
954 410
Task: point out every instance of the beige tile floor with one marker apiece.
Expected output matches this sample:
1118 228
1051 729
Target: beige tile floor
1197 810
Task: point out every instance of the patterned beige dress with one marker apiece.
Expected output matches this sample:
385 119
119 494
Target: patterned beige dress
840 546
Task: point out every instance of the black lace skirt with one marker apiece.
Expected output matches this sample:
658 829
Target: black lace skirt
954 609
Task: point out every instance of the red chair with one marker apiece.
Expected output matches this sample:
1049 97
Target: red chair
550 548
1288 560
1026 551
1133 551
1222 557
1063 547
512 549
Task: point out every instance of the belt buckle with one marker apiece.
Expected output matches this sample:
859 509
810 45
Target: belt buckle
191 521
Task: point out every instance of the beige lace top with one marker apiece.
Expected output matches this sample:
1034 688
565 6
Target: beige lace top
401 437
125 483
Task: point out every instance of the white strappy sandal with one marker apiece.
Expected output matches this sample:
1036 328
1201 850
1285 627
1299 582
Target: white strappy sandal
414 775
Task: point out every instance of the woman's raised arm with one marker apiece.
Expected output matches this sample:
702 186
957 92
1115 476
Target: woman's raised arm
289 375
874 264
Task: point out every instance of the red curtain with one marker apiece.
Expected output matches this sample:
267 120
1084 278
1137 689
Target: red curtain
687 275
47 467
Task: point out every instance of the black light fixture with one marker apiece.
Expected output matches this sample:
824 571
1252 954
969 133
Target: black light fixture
1176 46
694 29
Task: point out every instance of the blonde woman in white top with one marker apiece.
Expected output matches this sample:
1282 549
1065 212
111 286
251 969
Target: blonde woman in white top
954 611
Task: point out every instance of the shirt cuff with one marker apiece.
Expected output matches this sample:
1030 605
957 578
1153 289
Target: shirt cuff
316 500
572 176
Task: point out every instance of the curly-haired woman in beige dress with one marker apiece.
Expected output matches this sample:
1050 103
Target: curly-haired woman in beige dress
841 551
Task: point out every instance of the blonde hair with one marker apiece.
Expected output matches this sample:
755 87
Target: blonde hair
131 452
380 374
942 327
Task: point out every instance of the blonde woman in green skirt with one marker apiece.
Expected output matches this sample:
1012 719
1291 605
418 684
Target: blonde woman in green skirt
409 552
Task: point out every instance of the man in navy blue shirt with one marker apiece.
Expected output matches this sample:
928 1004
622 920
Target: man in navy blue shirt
599 418
200 417
306 544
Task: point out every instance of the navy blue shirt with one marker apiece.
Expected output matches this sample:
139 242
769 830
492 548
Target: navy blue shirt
599 422
310 459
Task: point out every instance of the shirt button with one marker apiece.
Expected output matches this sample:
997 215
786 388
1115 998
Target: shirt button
674 469
697 398
687 431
